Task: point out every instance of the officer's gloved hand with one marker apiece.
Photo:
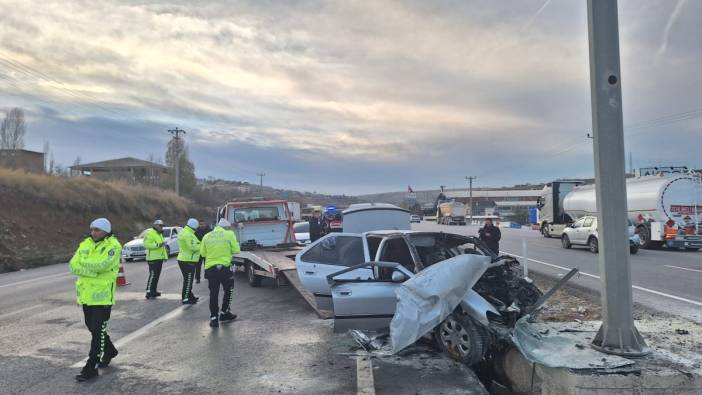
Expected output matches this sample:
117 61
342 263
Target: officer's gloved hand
219 267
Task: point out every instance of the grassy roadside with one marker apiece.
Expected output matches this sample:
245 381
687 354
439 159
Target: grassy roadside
42 218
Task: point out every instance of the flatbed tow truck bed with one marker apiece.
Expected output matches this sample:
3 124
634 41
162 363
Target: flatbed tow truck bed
279 265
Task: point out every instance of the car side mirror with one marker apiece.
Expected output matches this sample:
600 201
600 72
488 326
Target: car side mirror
398 277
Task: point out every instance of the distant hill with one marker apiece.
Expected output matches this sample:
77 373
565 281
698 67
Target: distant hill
217 191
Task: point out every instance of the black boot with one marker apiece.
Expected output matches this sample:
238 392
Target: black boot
107 357
227 316
88 372
214 323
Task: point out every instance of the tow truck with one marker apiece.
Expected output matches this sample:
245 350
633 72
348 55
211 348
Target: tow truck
264 229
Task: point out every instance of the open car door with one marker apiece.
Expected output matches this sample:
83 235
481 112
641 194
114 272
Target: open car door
328 255
365 304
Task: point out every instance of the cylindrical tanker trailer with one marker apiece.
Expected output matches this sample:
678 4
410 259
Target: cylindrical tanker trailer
666 210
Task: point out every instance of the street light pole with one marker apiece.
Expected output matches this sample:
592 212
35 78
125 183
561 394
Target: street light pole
260 176
617 335
470 199
176 137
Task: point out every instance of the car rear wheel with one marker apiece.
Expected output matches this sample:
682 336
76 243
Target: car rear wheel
565 242
168 251
253 278
593 245
462 338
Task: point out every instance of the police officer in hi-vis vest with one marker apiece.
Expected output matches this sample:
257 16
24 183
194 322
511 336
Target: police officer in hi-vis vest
96 264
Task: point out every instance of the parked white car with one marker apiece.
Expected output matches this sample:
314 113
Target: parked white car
134 249
584 232
302 233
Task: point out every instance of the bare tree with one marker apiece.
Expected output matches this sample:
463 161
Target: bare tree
13 129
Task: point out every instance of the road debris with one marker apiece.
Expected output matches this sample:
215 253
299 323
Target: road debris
563 349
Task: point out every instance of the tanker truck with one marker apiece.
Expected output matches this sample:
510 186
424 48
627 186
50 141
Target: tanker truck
451 213
666 210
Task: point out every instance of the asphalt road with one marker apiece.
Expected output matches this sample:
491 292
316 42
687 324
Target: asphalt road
277 345
664 280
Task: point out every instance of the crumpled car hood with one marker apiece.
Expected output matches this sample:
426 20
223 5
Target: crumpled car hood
426 299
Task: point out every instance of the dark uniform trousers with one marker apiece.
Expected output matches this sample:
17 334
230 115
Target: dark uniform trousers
188 270
198 268
220 276
154 274
96 318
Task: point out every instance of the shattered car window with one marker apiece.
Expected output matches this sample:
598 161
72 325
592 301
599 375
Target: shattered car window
337 250
433 248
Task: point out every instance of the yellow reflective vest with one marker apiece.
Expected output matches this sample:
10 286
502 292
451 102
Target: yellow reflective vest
155 246
218 247
96 265
188 246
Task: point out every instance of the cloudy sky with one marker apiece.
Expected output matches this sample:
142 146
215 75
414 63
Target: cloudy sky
349 96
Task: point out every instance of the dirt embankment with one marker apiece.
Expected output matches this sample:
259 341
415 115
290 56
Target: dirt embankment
43 218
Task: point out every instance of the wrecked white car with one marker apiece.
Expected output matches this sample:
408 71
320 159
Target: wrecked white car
358 275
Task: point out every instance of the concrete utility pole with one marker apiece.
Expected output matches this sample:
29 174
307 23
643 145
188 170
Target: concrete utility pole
176 136
470 200
260 176
617 335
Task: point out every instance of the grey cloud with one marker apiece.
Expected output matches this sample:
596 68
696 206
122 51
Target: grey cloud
338 84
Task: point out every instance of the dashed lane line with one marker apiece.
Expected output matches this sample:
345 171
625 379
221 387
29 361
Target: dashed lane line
26 309
35 280
684 268
637 287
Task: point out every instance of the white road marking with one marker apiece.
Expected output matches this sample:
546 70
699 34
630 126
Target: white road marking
141 331
640 288
35 279
20 311
365 384
684 268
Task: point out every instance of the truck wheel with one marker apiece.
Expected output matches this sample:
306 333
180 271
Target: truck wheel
645 236
633 248
565 242
462 338
253 278
594 245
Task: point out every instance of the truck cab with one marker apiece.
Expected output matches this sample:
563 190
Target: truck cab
260 224
552 217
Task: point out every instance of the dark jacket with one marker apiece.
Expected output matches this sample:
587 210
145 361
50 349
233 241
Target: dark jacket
315 229
201 232
491 235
